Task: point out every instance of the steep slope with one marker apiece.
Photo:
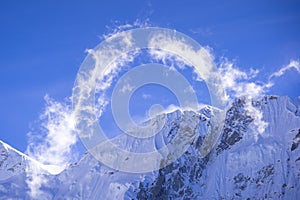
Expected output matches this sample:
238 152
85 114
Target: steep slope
243 165
12 172
11 162
89 179
240 167
14 168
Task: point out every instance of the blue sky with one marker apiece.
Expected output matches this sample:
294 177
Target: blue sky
43 43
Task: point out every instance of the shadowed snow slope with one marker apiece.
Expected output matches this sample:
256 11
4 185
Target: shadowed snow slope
243 164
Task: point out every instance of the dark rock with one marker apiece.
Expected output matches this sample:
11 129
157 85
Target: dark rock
296 141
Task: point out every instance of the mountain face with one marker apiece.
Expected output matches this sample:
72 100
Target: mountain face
243 164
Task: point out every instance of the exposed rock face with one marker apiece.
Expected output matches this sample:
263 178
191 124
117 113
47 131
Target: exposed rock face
296 141
236 123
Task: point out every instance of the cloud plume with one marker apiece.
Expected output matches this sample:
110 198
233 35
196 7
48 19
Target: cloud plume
294 64
51 145
240 84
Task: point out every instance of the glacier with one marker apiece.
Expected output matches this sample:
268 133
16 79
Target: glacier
242 165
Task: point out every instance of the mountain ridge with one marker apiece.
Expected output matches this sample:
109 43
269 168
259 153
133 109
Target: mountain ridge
256 168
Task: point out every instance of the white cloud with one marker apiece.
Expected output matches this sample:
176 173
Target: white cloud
183 52
98 78
52 144
258 125
294 64
238 84
235 82
166 47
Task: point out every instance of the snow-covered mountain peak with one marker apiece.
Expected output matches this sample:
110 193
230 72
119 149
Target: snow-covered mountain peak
244 164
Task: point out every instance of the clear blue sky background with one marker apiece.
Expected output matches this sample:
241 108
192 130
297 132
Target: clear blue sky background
42 43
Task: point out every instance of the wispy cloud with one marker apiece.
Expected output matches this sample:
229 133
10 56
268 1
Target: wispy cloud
51 144
294 64
53 141
240 84
183 52
235 82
